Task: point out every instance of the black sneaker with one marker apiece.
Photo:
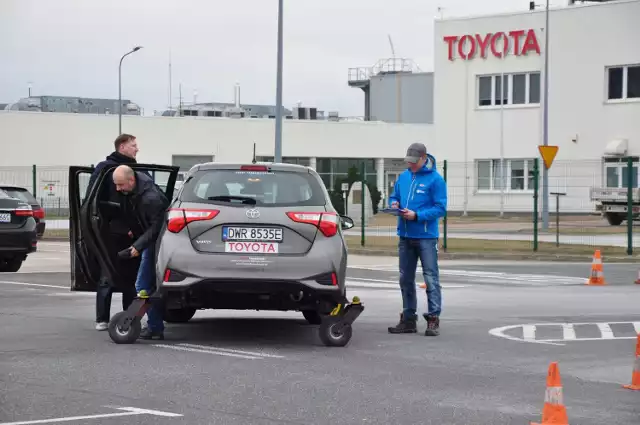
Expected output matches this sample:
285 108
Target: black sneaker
148 334
433 326
408 326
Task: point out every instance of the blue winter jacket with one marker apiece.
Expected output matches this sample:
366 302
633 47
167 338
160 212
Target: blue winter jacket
424 192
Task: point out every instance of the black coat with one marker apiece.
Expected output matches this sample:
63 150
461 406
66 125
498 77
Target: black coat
108 192
144 209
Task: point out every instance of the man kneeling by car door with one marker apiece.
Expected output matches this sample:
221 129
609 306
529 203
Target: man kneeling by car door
144 208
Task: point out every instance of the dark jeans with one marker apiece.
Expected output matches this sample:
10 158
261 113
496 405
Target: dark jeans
410 250
104 294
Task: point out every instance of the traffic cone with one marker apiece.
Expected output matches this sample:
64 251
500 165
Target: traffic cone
597 275
635 375
553 412
637 282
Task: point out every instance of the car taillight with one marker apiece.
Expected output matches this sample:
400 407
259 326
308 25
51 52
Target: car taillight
326 222
253 168
25 211
178 218
38 213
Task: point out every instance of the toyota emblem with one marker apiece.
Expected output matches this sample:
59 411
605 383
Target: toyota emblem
253 213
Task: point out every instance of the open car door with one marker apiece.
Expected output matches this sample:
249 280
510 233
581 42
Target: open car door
94 246
85 269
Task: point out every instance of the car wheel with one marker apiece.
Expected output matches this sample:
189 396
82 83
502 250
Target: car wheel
10 266
182 315
313 317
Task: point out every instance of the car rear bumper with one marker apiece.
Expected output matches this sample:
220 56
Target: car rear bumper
17 242
315 293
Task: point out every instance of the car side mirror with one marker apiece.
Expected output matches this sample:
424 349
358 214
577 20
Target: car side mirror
346 222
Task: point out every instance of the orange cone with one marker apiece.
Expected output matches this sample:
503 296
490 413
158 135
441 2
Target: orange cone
635 375
597 275
637 282
553 412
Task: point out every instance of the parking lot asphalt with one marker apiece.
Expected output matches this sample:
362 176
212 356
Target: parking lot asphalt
502 325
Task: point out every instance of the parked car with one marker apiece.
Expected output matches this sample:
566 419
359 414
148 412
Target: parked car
240 237
17 232
26 196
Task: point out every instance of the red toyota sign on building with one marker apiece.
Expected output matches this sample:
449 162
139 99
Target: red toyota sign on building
498 44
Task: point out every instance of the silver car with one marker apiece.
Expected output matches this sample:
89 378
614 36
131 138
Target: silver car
251 237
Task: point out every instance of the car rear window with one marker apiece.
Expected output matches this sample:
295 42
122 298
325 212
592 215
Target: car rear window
3 195
268 188
21 194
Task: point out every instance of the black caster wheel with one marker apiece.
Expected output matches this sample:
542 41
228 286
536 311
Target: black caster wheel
334 332
124 329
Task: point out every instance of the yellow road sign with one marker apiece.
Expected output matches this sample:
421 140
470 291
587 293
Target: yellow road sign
548 154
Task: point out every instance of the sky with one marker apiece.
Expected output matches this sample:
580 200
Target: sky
73 47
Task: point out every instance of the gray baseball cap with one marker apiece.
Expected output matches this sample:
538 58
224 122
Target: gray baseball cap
415 152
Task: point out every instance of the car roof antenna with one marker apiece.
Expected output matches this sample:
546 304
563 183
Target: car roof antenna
254 153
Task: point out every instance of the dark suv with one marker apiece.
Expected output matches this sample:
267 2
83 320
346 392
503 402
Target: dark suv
24 195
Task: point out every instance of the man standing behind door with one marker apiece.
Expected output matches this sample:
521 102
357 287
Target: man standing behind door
126 150
420 193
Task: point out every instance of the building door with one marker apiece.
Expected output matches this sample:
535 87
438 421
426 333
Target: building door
391 178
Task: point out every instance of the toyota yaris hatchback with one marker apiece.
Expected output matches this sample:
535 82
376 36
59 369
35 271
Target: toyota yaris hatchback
241 237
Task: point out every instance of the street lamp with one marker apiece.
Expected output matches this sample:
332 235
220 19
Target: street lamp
278 147
135 49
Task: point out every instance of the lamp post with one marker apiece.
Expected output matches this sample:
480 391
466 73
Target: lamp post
278 148
135 49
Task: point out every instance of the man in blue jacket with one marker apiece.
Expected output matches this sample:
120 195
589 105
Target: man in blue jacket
420 193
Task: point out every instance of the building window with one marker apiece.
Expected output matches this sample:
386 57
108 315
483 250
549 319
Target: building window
515 175
516 89
623 82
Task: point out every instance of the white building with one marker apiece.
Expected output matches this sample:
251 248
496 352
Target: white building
594 117
594 101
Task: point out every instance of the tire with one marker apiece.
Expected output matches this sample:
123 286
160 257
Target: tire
330 337
182 315
312 317
10 266
124 337
614 219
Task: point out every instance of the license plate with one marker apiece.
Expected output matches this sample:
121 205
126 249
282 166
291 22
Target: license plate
5 218
254 234
251 247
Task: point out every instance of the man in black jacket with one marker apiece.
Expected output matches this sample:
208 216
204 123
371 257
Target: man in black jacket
144 205
126 149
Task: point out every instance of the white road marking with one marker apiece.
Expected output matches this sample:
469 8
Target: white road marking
33 284
126 411
490 277
384 284
37 271
249 355
531 331
568 332
606 331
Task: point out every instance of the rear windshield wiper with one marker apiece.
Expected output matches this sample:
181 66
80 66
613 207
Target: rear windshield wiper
229 198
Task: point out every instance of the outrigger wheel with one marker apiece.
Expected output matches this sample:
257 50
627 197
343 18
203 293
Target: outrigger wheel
125 327
335 329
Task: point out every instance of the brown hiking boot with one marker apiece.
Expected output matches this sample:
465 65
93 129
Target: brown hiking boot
408 326
433 326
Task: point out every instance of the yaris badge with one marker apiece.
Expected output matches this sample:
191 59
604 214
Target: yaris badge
253 213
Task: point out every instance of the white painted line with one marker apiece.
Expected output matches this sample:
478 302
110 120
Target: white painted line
387 284
636 326
606 331
33 284
568 332
584 339
194 350
229 350
127 411
38 271
529 332
499 332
